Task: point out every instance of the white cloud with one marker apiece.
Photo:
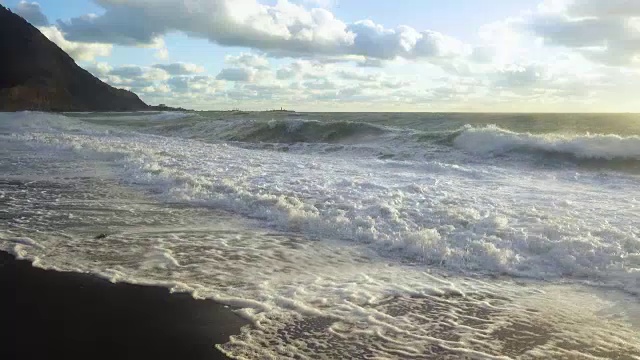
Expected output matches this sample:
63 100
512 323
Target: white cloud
519 76
603 31
159 45
201 84
563 49
131 76
128 71
303 69
238 22
245 68
248 60
608 8
99 69
237 74
31 12
320 3
323 84
483 54
358 75
162 53
180 68
369 62
286 73
373 40
156 89
394 84
284 28
239 84
78 50
329 76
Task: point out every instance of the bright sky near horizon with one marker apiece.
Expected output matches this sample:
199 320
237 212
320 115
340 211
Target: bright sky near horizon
356 55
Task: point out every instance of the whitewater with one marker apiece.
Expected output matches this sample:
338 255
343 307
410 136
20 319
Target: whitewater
355 235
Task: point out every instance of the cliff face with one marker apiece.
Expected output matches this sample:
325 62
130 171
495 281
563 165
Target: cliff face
35 74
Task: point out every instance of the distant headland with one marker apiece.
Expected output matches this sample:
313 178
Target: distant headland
280 110
163 107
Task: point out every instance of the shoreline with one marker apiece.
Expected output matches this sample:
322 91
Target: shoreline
51 314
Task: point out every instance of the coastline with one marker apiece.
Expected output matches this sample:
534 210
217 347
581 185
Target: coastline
51 314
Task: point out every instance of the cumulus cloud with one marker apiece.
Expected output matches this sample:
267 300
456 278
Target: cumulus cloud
228 22
128 71
323 84
156 89
320 3
284 27
202 84
518 76
303 69
311 76
258 93
236 74
180 68
245 68
369 62
130 76
394 84
100 69
77 50
376 41
539 56
31 12
608 8
358 76
248 60
483 54
162 53
603 31
285 73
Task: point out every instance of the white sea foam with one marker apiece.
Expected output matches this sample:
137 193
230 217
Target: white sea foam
515 223
159 257
494 140
22 240
401 246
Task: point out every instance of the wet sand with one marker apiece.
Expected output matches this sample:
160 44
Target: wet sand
49 314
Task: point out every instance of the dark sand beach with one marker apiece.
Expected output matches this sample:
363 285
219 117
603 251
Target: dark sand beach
49 314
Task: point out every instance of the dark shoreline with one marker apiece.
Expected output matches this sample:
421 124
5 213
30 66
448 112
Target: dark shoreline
49 314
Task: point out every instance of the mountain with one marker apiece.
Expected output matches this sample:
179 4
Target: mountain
35 74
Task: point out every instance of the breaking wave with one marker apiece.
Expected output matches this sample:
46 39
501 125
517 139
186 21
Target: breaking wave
361 138
485 140
592 150
493 140
308 131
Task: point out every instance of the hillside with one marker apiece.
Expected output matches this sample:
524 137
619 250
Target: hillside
35 74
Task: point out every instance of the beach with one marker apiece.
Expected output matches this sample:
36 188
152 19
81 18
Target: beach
50 314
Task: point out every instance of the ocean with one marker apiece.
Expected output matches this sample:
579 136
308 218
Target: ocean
348 235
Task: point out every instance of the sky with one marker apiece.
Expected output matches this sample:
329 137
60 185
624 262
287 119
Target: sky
356 55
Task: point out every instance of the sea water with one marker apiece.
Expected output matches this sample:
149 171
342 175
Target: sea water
354 235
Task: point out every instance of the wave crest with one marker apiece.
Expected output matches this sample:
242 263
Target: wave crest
492 140
309 131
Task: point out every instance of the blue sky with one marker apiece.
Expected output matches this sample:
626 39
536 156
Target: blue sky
354 55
